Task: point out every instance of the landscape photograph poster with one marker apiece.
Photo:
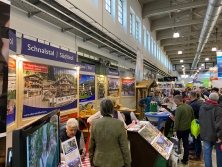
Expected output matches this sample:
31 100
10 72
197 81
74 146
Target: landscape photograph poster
86 88
113 87
11 98
128 87
47 88
101 87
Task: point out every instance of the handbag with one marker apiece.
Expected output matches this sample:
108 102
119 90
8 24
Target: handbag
195 128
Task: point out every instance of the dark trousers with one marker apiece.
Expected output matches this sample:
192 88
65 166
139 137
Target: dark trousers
184 135
197 146
167 127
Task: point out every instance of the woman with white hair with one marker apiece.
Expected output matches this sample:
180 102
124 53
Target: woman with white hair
71 130
108 146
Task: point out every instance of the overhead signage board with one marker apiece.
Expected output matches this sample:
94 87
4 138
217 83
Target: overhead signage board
112 72
36 49
86 67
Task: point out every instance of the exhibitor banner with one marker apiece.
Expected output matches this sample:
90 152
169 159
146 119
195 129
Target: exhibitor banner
86 88
47 88
128 87
139 66
213 73
40 50
219 63
11 102
4 55
113 86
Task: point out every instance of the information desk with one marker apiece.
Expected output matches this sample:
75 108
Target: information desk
159 117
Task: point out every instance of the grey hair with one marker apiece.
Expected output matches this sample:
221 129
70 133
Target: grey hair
106 107
178 98
193 94
214 97
72 122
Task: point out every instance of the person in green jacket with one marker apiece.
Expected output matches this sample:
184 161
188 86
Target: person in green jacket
183 117
108 146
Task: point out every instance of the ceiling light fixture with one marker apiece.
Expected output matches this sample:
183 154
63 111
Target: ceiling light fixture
182 66
200 68
214 49
202 65
176 35
207 59
181 61
180 52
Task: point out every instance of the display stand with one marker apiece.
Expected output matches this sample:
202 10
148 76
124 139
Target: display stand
142 90
144 134
141 157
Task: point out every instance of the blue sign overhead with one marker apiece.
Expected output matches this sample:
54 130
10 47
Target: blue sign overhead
86 67
12 40
112 72
36 49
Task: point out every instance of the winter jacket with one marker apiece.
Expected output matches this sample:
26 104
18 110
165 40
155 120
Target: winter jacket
195 104
210 118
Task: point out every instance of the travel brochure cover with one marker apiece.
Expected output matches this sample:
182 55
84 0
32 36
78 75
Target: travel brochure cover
47 88
71 153
157 140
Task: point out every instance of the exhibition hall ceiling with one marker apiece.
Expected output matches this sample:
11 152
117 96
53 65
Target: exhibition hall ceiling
185 17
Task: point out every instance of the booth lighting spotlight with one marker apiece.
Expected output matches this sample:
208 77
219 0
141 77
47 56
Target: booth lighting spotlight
180 52
181 61
176 35
182 66
202 65
207 59
214 49
197 70
200 68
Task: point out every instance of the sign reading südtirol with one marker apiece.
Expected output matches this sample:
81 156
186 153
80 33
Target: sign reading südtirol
36 49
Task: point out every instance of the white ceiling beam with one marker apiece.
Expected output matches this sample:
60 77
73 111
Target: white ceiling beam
165 6
166 22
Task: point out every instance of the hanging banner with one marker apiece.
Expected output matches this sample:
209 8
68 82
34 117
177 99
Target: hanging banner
113 87
139 66
86 67
11 102
36 49
128 87
213 73
86 88
219 64
47 88
112 72
101 87
12 40
4 55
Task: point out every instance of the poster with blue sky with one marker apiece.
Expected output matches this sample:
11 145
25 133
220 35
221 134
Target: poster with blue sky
219 64
86 88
